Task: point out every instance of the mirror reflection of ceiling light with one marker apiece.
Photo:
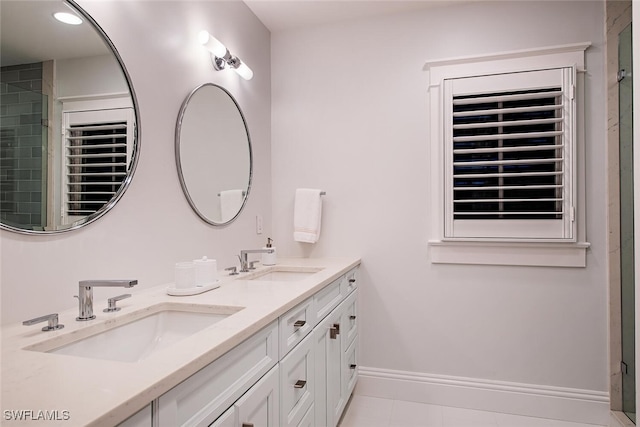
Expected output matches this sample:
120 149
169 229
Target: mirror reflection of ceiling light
221 56
67 18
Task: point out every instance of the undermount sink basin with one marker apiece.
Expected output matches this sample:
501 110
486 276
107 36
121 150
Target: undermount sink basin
282 274
157 328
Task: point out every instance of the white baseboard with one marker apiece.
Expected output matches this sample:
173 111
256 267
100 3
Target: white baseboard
568 404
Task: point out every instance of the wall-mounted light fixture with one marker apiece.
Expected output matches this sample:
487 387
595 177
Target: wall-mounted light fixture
221 57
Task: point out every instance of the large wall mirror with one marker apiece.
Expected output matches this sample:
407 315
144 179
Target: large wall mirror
68 119
213 154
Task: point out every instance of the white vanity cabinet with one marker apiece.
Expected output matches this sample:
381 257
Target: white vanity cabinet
349 332
297 383
329 396
297 372
295 324
336 343
330 351
258 407
203 397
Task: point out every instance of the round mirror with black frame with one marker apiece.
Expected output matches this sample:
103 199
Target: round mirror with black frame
213 154
69 138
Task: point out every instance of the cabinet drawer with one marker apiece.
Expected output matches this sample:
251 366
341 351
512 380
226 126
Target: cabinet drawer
228 419
259 406
204 396
295 325
350 282
297 383
327 299
350 367
349 320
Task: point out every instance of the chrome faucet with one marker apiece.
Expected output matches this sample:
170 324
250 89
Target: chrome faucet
244 262
85 295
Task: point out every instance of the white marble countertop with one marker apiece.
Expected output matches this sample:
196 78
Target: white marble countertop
94 392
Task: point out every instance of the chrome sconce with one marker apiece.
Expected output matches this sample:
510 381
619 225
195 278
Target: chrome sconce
221 57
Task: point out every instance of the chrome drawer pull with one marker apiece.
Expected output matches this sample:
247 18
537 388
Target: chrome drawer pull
352 366
247 424
300 384
299 324
334 331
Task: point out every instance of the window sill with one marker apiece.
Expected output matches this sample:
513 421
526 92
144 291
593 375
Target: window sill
540 254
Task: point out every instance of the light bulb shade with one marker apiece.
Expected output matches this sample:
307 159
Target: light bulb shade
244 71
212 44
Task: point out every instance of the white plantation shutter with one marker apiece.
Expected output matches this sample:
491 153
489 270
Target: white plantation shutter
97 154
509 154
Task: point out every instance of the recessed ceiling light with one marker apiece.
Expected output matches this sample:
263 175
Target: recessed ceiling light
67 18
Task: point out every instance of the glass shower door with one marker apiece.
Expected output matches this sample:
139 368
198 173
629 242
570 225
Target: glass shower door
625 86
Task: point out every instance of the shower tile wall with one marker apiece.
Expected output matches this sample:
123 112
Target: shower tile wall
22 145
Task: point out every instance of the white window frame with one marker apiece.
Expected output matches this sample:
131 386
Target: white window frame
566 250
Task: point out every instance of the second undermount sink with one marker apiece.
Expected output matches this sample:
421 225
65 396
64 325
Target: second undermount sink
152 330
284 274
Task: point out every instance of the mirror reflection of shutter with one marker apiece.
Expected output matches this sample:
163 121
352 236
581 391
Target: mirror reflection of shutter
96 159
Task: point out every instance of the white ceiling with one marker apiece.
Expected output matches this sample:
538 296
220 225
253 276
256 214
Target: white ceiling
28 33
279 15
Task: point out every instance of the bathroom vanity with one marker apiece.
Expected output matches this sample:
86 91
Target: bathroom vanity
277 346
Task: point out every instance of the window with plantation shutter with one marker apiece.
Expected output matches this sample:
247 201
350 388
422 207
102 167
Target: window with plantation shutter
508 155
509 146
507 170
97 153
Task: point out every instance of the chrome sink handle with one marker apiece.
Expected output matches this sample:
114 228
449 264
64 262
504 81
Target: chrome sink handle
85 295
112 303
51 318
233 270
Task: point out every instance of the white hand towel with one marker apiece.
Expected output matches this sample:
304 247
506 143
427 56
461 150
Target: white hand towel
230 203
307 215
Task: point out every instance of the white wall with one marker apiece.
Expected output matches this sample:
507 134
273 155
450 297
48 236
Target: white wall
89 75
153 226
349 116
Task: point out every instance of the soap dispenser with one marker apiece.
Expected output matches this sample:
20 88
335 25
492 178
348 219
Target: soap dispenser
269 259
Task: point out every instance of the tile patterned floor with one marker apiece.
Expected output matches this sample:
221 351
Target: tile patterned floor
364 411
